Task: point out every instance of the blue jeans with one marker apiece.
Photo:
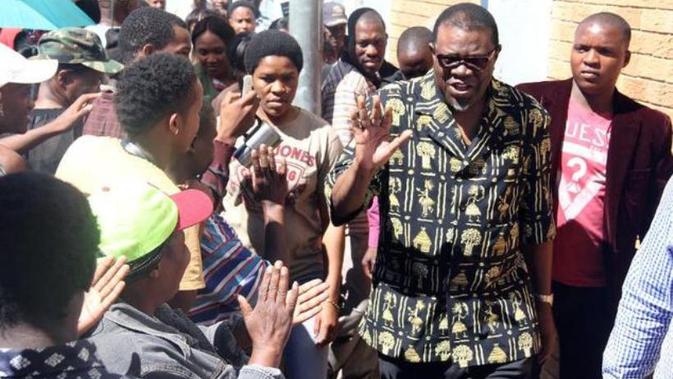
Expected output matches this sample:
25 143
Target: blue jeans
303 358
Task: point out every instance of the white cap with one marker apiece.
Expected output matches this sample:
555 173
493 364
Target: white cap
16 68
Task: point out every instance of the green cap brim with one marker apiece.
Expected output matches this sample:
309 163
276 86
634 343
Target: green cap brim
107 67
110 67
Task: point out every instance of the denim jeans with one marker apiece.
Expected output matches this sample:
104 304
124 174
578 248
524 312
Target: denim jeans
303 358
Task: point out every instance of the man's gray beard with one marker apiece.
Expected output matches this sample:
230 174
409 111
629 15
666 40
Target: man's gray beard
459 106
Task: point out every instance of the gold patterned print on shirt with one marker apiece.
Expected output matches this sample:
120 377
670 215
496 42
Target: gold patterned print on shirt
423 122
398 110
422 241
460 312
470 208
395 187
425 198
426 150
397 159
414 317
463 355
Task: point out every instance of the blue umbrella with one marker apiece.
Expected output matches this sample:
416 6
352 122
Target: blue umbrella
41 14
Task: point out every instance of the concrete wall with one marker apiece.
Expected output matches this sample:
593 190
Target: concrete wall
407 13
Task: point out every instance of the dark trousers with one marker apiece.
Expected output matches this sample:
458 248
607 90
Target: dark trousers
397 369
584 320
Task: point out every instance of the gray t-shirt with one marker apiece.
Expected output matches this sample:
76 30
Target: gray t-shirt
310 148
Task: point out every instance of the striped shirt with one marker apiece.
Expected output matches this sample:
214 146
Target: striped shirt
646 307
229 270
339 92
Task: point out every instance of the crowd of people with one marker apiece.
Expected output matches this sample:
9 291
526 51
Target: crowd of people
432 220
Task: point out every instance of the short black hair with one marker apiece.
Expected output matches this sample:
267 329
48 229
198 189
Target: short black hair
355 17
242 3
152 88
216 25
147 25
467 16
269 43
413 38
49 239
611 19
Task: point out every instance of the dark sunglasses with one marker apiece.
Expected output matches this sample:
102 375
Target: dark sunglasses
474 62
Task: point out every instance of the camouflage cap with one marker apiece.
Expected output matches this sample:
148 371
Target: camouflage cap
77 46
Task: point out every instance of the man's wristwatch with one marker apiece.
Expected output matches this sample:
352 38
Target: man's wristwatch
549 299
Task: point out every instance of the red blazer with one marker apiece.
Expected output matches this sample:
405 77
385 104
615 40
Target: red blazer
639 165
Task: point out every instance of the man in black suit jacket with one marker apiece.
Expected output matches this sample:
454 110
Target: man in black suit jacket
612 159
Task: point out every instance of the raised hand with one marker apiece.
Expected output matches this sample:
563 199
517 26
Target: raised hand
268 178
368 261
106 286
80 108
269 323
325 326
237 115
312 296
371 132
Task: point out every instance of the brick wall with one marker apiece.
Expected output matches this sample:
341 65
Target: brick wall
407 13
649 76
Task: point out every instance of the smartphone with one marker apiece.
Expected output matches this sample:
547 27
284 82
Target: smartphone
247 85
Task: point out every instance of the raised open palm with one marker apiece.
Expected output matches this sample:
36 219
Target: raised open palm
371 132
107 284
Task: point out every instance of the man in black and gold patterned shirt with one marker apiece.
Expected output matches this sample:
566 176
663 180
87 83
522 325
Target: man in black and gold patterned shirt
465 210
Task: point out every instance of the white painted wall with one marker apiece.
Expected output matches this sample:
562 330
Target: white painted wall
179 7
383 7
524 27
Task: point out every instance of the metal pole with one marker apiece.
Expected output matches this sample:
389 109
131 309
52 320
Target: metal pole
306 27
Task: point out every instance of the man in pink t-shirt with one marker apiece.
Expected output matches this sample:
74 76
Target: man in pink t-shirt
578 248
612 159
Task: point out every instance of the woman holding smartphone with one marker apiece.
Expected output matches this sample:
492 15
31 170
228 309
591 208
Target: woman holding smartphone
310 148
